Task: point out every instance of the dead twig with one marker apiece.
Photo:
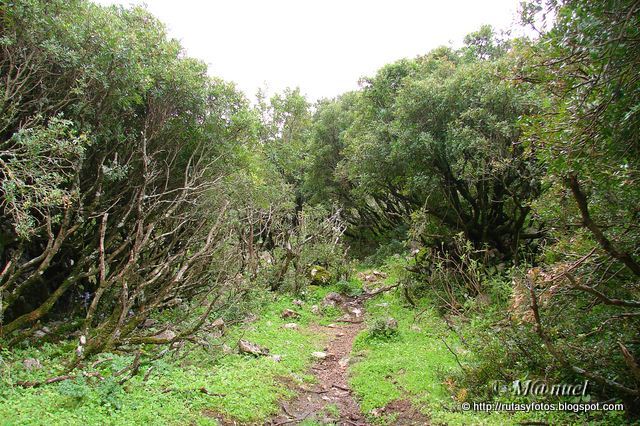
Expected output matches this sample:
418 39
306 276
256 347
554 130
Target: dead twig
341 388
376 292
27 384
455 355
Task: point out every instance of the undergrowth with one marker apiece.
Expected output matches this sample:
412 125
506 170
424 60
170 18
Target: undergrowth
417 363
201 385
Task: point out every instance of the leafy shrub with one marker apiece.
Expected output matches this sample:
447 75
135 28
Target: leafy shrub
351 287
76 389
110 393
383 329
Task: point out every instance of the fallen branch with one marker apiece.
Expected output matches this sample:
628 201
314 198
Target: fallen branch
202 390
376 292
100 361
284 408
341 388
27 384
206 392
349 321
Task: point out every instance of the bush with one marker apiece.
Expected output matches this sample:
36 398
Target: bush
351 287
384 329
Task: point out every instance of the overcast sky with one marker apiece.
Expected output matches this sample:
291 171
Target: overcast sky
323 47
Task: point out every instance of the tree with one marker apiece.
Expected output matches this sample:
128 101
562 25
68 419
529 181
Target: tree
109 140
440 134
586 136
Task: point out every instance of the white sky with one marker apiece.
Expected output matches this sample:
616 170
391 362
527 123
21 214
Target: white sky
323 47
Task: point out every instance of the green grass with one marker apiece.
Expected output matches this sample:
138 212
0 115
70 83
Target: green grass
407 365
415 364
249 388
412 364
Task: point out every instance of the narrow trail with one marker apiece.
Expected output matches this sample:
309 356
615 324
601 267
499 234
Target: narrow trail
330 400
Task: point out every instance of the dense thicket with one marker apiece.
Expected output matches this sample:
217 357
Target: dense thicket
110 140
133 182
584 296
510 169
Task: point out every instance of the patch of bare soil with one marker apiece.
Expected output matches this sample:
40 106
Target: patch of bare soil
401 413
330 400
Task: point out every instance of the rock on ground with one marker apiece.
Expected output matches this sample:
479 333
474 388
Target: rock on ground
31 364
289 313
247 347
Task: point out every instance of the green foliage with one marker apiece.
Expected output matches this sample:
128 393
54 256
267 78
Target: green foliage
417 366
243 388
38 171
386 249
380 329
351 287
109 146
432 142
134 185
396 368
586 137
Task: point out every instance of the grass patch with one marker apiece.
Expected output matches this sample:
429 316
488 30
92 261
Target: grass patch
194 388
410 362
414 364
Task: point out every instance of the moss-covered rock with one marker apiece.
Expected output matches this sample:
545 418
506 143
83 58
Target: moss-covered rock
320 275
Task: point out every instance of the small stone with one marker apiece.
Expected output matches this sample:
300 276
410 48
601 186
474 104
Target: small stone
31 364
391 323
226 349
377 412
290 326
251 318
326 398
39 334
46 330
148 323
333 297
276 358
343 362
415 328
288 313
328 304
319 275
357 312
382 305
218 323
315 309
167 334
298 302
345 318
319 355
213 335
246 347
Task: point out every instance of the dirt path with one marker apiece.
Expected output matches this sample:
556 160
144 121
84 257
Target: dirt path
330 400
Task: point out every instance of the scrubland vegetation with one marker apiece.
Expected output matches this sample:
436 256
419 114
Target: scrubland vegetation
481 202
